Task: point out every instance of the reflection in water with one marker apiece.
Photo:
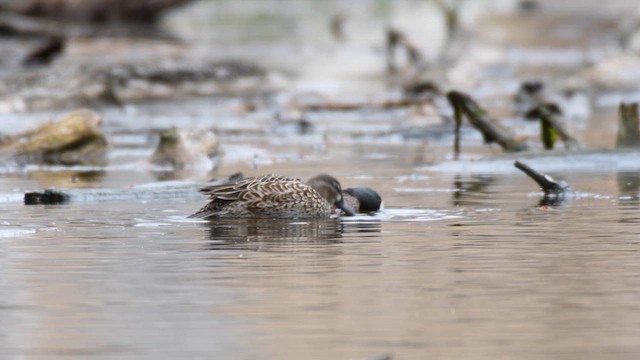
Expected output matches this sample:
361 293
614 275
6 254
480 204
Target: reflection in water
629 186
263 234
468 191
629 190
67 179
553 200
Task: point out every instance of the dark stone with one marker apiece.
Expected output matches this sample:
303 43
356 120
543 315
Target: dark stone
47 197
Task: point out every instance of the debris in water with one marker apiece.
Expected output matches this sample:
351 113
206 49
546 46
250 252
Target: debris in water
492 131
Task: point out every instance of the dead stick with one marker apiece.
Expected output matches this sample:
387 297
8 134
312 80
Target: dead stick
546 182
491 129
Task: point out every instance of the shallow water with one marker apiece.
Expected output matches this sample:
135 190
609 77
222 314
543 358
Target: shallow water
456 266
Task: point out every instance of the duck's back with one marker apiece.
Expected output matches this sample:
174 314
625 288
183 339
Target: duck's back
270 196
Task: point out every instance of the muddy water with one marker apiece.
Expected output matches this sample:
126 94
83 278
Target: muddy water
463 263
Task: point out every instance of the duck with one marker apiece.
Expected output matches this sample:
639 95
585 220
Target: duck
362 199
275 196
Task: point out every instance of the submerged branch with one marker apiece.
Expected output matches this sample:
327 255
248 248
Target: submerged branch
547 183
555 192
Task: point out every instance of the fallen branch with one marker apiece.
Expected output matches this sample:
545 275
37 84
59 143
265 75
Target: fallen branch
491 130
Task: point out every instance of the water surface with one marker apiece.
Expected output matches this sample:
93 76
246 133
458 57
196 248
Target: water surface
456 266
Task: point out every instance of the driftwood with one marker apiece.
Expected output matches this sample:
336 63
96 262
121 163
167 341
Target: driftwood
551 126
75 139
492 131
555 192
628 126
166 190
97 11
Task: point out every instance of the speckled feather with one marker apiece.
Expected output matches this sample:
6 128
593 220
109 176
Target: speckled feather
264 196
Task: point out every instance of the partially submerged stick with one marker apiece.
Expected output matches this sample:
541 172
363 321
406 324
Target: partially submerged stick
628 126
549 186
492 131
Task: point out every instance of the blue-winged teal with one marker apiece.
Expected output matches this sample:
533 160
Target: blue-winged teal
273 196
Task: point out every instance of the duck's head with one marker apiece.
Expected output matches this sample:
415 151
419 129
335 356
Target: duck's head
363 199
329 188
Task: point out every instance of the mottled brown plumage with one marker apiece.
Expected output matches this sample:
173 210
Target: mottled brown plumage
273 196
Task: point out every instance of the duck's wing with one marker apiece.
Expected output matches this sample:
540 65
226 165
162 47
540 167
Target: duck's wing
249 188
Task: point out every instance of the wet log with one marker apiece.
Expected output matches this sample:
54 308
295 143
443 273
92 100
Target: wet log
75 139
628 126
160 191
550 124
492 131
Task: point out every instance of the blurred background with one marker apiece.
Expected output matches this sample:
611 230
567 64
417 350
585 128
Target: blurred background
466 261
